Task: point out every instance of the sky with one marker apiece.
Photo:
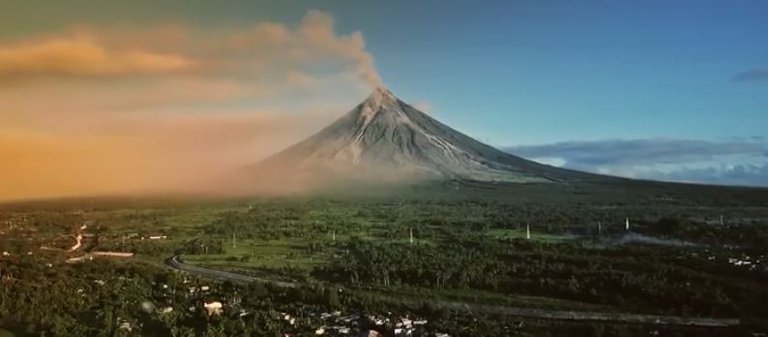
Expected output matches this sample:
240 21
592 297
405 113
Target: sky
109 96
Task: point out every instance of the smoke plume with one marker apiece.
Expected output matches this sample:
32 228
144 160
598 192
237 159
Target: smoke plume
171 108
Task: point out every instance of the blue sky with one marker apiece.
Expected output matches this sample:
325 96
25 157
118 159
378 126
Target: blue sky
540 72
535 75
524 72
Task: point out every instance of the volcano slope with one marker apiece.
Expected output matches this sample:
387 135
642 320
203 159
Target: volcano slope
384 144
385 139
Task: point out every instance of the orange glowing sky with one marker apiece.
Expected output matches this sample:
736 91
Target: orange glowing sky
166 107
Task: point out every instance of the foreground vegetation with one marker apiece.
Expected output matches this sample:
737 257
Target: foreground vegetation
687 253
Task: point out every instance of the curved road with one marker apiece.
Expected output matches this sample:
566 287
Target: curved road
221 275
496 309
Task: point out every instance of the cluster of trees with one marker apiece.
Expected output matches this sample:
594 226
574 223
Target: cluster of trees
392 218
96 298
749 235
647 279
204 245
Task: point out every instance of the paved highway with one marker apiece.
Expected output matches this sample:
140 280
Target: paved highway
221 275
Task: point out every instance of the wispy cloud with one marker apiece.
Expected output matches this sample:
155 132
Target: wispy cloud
263 50
742 174
107 109
742 161
79 56
752 75
640 151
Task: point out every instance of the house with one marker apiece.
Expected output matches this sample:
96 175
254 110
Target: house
124 325
213 308
404 323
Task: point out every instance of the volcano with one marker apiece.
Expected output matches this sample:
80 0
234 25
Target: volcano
385 138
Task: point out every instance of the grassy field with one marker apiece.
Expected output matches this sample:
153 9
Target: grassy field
487 298
263 254
535 236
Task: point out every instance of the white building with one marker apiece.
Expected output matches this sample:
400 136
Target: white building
214 308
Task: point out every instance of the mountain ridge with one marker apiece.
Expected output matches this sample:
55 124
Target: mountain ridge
384 137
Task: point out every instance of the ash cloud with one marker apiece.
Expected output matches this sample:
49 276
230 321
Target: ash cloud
128 108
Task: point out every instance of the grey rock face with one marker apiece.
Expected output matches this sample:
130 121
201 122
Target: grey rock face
385 137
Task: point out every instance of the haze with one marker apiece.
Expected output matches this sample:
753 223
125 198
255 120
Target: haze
168 98
94 110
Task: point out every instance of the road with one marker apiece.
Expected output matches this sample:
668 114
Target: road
222 275
495 309
590 315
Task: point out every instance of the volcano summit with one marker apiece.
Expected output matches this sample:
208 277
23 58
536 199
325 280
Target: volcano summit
384 138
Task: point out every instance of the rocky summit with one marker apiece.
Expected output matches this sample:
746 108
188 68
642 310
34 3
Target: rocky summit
384 137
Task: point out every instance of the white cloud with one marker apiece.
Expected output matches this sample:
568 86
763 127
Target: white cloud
739 161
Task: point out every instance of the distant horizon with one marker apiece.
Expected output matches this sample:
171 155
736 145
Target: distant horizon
109 97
